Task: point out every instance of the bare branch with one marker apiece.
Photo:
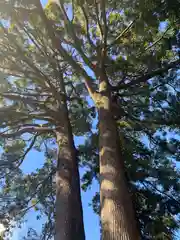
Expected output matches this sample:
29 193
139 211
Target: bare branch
105 28
73 7
24 211
122 33
26 130
158 40
30 94
28 150
24 99
98 20
87 26
161 192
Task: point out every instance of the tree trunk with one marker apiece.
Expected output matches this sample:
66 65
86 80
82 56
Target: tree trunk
117 215
69 215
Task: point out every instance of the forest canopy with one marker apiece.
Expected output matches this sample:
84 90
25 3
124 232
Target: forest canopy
107 71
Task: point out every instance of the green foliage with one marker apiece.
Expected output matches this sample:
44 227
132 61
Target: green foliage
41 50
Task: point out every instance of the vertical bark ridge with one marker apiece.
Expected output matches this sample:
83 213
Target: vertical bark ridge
69 214
117 215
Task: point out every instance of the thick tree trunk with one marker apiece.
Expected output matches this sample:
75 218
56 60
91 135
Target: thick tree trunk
69 215
117 215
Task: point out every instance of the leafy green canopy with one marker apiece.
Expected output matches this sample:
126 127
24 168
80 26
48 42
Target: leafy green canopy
40 48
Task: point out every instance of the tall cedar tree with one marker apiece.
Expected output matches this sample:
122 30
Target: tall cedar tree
39 108
150 171
115 48
34 102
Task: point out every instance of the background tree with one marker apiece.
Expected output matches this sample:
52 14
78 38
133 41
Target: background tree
34 111
152 176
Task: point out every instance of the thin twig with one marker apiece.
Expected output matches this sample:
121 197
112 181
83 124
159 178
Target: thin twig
28 150
167 195
122 33
158 40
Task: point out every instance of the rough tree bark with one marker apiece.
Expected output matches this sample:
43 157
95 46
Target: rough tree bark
117 214
69 214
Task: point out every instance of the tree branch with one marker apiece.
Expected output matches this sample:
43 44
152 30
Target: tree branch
155 188
28 150
105 30
26 130
98 20
158 40
31 65
87 27
70 30
30 94
15 97
69 59
147 76
122 33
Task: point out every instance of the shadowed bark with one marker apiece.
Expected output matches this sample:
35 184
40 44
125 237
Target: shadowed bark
69 216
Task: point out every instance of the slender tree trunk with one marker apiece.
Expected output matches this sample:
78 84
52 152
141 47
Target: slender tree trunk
69 214
117 215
